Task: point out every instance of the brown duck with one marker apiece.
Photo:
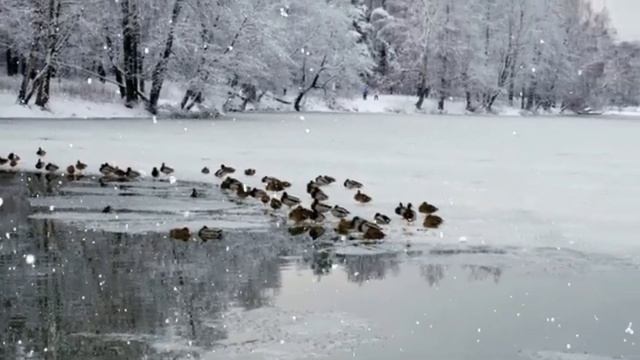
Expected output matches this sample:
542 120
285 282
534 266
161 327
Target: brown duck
3 160
71 170
300 214
41 152
426 208
80 166
275 204
362 197
250 172
205 170
183 234
316 232
224 171
298 230
166 169
373 234
344 227
275 186
432 221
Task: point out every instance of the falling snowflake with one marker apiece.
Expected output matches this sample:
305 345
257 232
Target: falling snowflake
172 180
629 330
30 259
1 202
307 130
146 50
89 81
52 208
155 119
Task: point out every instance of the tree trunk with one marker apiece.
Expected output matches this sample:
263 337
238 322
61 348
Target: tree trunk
129 51
114 67
531 97
423 92
157 78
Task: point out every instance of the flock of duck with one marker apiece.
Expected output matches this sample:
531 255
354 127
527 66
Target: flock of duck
273 194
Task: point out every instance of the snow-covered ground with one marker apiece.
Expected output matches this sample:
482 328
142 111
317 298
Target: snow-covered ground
549 182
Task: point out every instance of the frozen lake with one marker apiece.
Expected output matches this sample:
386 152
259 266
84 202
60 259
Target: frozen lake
538 259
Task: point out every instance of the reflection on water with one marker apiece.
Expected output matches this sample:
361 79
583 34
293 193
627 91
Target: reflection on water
91 292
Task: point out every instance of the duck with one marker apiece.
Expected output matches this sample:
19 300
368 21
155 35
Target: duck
289 200
132 174
366 225
230 184
13 157
119 173
40 164
275 204
155 172
166 169
205 234
400 209
298 230
50 167
275 186
300 214
362 197
373 233
194 194
339 212
13 163
224 170
311 186
319 195
265 199
268 179
426 208
250 172
41 152
183 234
258 193
344 227
382 219
106 169
323 180
80 166
205 170
316 232
317 216
107 209
3 160
352 184
357 222
243 192
71 170
286 184
432 221
409 214
320 207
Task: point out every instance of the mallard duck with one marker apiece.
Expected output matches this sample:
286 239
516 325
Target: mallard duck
194 194
319 195
400 209
373 234
250 172
155 172
366 225
13 157
432 221
50 167
311 186
13 163
71 170
132 174
166 169
426 208
362 197
119 173
352 184
3 160
298 230
323 180
41 152
205 170
229 182
258 193
339 212
224 170
80 166
40 164
268 179
243 192
107 210
106 169
357 222
316 232
205 234
289 200
265 199
344 227
382 219
320 207
286 184
275 204
275 186
183 234
317 216
300 214
409 214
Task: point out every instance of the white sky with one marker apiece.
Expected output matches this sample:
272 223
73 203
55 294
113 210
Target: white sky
626 17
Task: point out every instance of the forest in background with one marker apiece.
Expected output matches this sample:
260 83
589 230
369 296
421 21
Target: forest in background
538 54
